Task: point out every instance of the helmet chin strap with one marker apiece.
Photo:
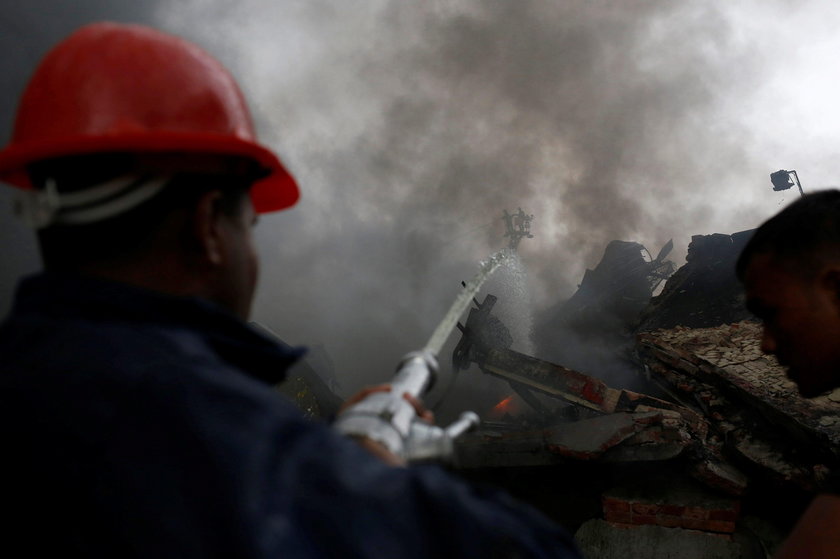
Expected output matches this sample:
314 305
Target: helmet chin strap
45 207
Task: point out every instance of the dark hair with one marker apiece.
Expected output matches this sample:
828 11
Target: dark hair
66 247
802 235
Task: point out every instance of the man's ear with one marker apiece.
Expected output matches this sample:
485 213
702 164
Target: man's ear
207 228
829 281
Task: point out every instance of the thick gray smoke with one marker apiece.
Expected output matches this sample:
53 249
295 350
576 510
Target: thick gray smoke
411 126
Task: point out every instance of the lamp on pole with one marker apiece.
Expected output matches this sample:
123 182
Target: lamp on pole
782 180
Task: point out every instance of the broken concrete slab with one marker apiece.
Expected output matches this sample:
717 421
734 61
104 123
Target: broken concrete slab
589 438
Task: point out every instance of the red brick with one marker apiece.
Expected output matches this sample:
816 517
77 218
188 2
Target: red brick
669 521
719 526
645 509
694 524
695 513
673 510
593 392
613 505
685 387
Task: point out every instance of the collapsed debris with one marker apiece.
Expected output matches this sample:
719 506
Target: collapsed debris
729 425
704 292
723 419
751 406
705 350
592 422
672 503
584 419
592 331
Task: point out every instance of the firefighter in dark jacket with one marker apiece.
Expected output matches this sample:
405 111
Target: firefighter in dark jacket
135 402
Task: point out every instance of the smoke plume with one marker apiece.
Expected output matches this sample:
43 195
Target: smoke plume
411 126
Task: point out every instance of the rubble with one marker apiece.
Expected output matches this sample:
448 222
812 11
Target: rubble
672 503
591 330
616 437
585 419
723 419
717 474
749 402
705 291
727 424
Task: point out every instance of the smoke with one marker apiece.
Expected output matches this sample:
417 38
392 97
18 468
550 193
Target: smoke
411 126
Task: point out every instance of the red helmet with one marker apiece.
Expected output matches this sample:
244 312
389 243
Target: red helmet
115 88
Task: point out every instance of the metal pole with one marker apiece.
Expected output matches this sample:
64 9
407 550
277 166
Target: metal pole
798 183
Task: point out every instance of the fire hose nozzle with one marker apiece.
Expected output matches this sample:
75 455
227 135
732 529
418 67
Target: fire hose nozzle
468 421
416 374
430 442
387 418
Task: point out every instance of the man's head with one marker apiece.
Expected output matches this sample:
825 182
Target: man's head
791 272
144 163
192 236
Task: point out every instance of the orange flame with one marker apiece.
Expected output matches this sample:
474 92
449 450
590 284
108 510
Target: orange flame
507 405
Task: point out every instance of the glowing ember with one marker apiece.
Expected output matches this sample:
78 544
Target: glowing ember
506 406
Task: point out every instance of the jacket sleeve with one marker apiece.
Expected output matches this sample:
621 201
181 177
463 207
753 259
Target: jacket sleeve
347 504
254 478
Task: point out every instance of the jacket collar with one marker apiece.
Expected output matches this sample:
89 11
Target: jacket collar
61 295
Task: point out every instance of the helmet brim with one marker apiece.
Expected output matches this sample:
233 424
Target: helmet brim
276 191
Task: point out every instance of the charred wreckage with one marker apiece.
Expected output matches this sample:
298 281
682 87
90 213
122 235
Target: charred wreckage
711 452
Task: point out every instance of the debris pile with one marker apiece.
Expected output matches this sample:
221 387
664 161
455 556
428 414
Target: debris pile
596 424
705 291
665 517
578 417
717 439
593 330
671 503
754 411
729 426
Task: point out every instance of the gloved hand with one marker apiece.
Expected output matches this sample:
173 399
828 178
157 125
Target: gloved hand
396 422
378 449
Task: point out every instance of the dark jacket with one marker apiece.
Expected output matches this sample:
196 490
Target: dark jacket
136 424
